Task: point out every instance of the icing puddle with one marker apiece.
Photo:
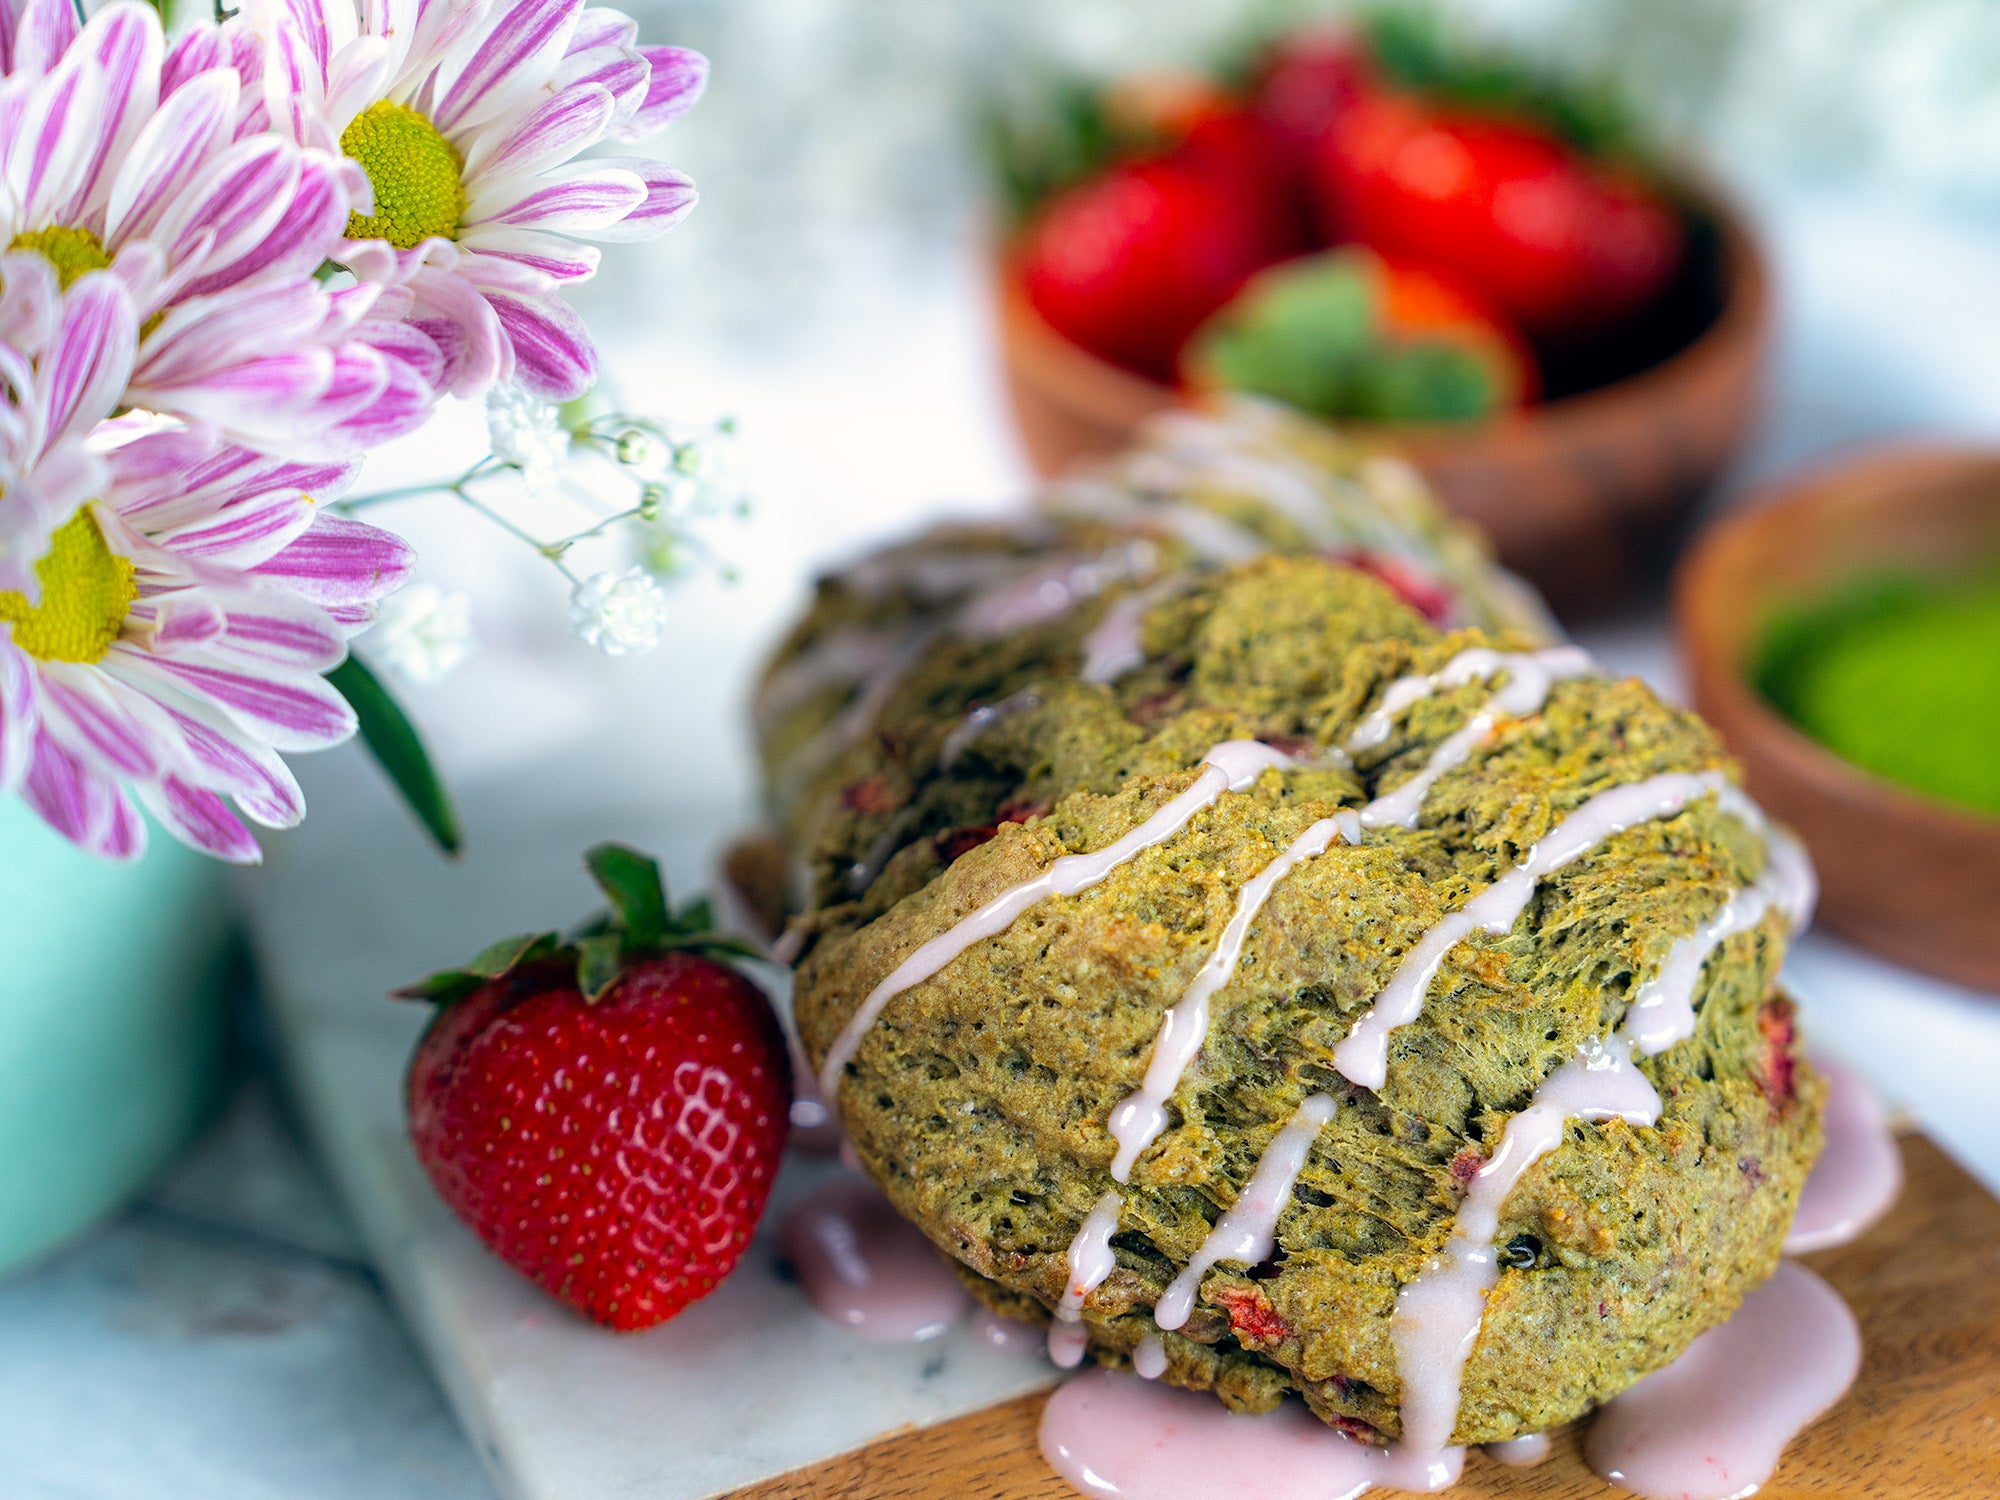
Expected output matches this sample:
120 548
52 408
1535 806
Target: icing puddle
867 1268
1108 1433
1713 1423
1858 1174
1008 1335
1710 1426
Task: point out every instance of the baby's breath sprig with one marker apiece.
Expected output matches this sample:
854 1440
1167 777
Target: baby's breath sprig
661 481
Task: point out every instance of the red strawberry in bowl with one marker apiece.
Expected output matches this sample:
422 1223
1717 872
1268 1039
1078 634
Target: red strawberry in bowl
608 1112
1306 85
1552 239
1129 262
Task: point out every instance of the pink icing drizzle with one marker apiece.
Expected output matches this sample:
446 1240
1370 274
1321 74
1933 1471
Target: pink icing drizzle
867 1268
1438 1315
1233 765
1858 1174
1711 1425
1109 1433
1363 1056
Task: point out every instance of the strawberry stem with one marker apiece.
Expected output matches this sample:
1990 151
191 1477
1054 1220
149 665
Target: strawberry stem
639 925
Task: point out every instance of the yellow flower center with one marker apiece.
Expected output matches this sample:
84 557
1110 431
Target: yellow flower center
86 590
70 251
419 176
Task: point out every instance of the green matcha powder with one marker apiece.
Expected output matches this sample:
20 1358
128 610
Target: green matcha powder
1901 676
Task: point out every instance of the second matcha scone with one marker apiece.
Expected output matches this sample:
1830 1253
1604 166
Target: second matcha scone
988 1092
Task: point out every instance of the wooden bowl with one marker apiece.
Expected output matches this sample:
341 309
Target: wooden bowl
1908 875
1583 493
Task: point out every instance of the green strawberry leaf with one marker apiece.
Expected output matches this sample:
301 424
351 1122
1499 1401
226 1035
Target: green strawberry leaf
1426 381
397 747
1310 333
639 925
696 919
1416 48
1049 132
631 883
600 958
1296 333
491 962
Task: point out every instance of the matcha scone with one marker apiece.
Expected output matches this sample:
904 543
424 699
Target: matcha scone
1316 977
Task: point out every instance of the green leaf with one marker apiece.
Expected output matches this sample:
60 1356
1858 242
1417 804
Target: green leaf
397 748
1425 381
631 883
1296 333
1417 48
448 986
499 958
714 945
1048 135
696 919
599 960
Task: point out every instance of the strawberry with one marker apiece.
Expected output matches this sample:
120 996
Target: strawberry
607 1113
1558 243
1233 146
1306 85
1129 262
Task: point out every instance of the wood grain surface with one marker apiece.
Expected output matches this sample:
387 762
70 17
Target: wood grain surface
1922 1422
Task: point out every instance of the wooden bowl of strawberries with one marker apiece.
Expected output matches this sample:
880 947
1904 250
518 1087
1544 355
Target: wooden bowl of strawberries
1400 238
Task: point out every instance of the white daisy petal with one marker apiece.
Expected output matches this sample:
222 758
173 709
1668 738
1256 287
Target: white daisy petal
48 161
560 261
546 136
359 76
79 710
514 54
600 26
199 819
18 715
670 196
171 151
125 43
578 199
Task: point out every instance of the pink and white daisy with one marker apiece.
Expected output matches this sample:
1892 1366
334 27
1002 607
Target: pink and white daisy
214 227
178 618
62 366
465 116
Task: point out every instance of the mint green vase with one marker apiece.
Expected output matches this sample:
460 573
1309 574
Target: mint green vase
111 1024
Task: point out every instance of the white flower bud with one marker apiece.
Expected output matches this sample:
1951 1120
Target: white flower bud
619 613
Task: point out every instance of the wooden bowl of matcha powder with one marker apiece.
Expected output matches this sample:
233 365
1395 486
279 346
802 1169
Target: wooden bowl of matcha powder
1844 637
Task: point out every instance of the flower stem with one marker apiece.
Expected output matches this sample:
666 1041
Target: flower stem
598 530
553 551
481 470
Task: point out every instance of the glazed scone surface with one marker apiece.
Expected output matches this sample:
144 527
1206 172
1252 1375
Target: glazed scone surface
979 1099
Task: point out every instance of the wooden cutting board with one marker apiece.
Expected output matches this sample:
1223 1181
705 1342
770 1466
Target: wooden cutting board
1922 1422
